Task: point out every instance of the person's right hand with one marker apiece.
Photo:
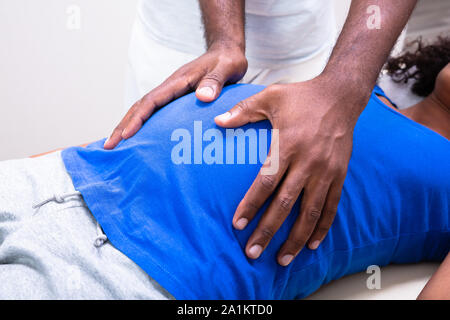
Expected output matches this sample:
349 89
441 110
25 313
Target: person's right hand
206 75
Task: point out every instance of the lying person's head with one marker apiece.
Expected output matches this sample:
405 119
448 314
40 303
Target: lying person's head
428 66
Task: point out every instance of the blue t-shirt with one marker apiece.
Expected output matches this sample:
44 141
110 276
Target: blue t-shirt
166 198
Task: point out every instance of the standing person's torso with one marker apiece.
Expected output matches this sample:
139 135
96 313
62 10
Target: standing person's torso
278 32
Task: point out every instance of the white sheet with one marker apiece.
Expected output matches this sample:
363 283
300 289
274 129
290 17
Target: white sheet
398 282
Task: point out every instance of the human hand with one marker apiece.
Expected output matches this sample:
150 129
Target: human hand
206 75
315 125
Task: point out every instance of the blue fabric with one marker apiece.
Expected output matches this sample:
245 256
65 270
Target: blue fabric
174 220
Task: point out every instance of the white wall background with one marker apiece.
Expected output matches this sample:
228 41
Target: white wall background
60 87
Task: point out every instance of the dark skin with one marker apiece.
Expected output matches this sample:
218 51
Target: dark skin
223 62
434 113
434 110
438 287
315 119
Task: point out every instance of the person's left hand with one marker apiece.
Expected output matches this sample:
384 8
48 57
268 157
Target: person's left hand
315 123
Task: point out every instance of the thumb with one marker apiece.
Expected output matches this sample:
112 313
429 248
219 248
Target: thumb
239 115
210 86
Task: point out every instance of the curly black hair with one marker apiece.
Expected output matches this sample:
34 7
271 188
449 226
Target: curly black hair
422 64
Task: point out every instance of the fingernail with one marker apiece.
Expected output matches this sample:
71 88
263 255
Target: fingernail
124 133
241 223
106 142
255 251
314 245
285 260
206 91
224 116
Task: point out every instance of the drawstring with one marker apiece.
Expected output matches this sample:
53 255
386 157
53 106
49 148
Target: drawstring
57 198
101 236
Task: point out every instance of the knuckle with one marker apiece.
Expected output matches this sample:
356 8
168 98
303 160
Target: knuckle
285 202
313 214
240 65
296 243
139 113
268 182
184 71
189 81
118 129
233 63
285 155
134 108
139 118
323 230
225 59
339 168
251 206
320 162
331 212
242 106
232 58
266 233
213 76
274 89
181 78
144 104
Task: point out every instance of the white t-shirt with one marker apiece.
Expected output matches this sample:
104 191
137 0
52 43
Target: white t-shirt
278 32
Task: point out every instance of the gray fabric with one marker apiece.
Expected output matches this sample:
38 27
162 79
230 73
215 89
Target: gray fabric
48 252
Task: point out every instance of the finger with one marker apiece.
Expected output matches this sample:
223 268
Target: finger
153 101
211 85
248 110
328 215
142 110
261 189
116 135
311 207
277 212
114 139
174 87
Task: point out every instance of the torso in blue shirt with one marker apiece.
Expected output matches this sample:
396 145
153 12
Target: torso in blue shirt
174 219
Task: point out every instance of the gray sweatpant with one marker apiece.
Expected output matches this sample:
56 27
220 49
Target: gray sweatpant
57 250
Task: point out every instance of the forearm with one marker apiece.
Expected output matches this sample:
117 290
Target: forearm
362 48
224 23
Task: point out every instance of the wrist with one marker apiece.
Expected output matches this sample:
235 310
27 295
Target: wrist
349 79
230 54
352 89
353 82
341 100
236 47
